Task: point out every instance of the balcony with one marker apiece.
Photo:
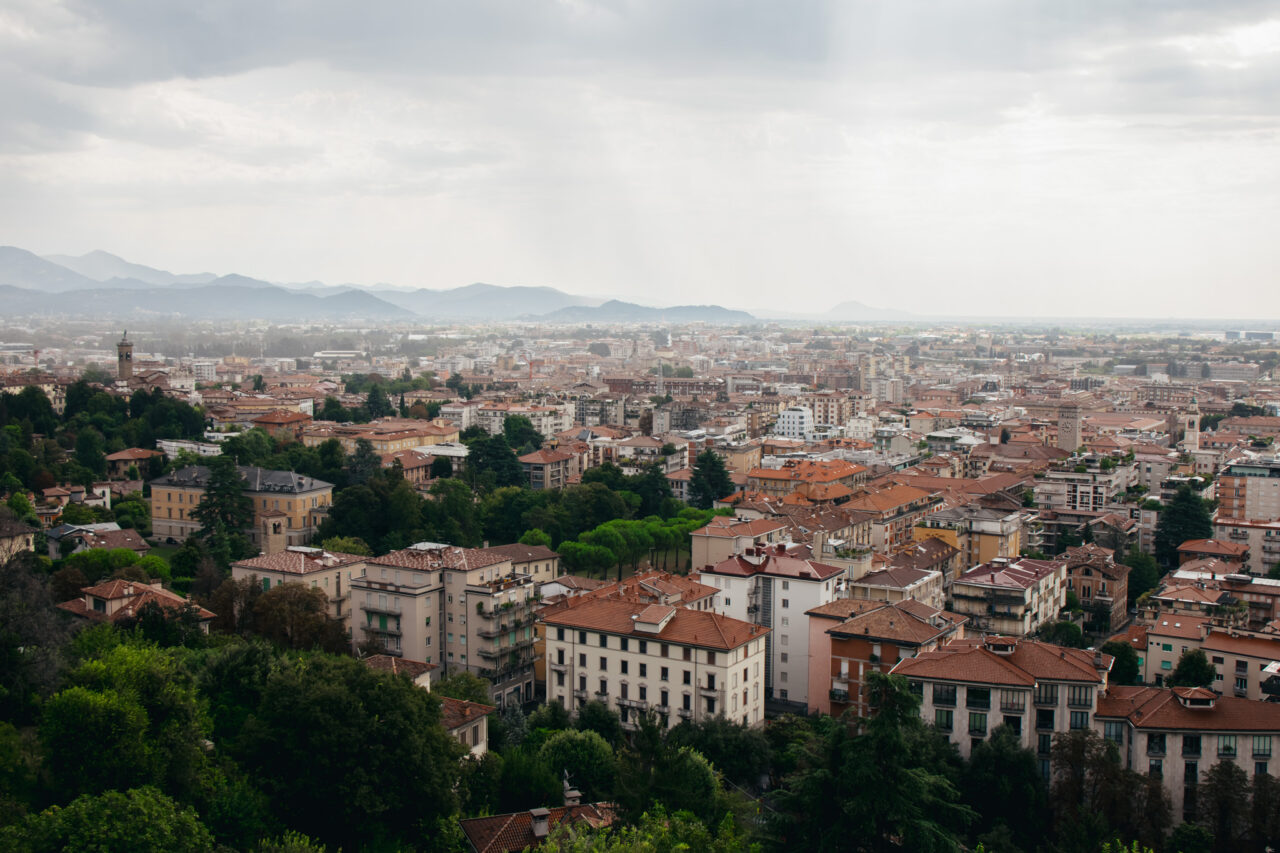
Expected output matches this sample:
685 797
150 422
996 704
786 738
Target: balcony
580 694
603 696
557 667
709 692
383 632
685 713
638 704
839 695
662 710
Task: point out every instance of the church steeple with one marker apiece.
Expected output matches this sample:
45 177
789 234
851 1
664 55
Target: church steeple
124 357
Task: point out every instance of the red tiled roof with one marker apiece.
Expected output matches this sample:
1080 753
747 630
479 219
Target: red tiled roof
455 713
1159 708
775 562
686 627
434 559
507 833
401 666
293 562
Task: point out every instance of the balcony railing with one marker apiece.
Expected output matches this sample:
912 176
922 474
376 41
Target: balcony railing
839 695
686 713
580 694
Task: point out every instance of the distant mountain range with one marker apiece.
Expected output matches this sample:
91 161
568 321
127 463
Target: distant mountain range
106 285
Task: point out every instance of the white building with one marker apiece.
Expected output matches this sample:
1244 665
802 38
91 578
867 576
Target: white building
634 656
794 422
771 588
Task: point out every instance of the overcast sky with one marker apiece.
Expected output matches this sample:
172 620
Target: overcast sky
1060 158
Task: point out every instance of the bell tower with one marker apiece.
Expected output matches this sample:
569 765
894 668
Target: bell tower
124 357
1191 427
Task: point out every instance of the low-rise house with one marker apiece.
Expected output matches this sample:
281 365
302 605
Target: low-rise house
724 536
15 537
122 600
468 722
118 463
1100 583
897 510
1236 553
527 830
419 672
549 469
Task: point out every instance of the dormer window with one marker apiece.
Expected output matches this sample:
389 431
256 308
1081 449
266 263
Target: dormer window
99 606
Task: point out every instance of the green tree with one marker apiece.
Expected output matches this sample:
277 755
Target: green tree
296 616
32 632
465 685
1004 787
657 831
519 433
326 737
95 741
377 403
1186 517
1193 670
224 512
596 716
141 820
1222 804
365 463
710 481
741 753
1144 573
1125 670
347 545
441 467
586 757
1063 634
536 538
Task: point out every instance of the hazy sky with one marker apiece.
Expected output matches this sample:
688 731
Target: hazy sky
982 157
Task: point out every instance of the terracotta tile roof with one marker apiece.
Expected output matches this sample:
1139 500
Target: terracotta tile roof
132 454
1258 647
970 660
894 577
775 562
545 457
132 595
1213 547
899 625
843 608
924 555
507 833
299 562
1023 574
401 666
686 627
890 499
1158 708
519 553
724 527
433 559
455 713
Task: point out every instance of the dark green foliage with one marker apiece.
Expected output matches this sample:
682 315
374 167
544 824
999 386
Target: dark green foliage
710 481
1193 670
520 434
528 781
1125 670
595 716
742 754
1143 575
1003 785
1186 517
491 464
1222 804
654 769
1063 634
31 633
465 685
141 820
224 512
325 739
586 757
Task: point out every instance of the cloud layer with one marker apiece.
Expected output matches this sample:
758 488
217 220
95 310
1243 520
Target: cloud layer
985 157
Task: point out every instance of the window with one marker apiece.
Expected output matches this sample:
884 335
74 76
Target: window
1044 719
1046 694
1166 647
582 637
1113 731
664 700
786 584
1079 719
604 641
784 657
1155 744
977 724
664 674
622 643
604 663
1080 696
1242 685
604 686
1044 744
1166 664
1191 744
786 622
644 670
784 639
944 694
711 657
582 660
786 602
664 650
688 679
1012 700
1261 746
624 667
644 693
688 653
943 719
783 675
644 647
978 697
560 656
1226 744
559 679
1156 768
1242 666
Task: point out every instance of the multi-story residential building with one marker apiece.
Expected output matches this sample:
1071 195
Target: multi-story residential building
724 536
801 475
1160 644
635 656
465 608
547 420
849 638
1091 490
1261 537
1250 489
969 687
899 583
829 408
1177 734
980 533
636 454
549 469
314 567
770 587
1012 598
794 422
896 511
287 507
386 435
1245 664
1100 583
537 561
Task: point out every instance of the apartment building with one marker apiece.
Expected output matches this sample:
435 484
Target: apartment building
770 587
895 513
725 536
1091 490
548 469
635 656
1261 537
314 567
980 533
968 687
802 475
899 583
1177 734
547 420
287 507
1100 583
386 435
464 608
1012 598
850 638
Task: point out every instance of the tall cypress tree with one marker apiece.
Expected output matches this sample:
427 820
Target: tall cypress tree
224 512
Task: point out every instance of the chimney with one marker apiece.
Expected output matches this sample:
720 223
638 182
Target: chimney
540 822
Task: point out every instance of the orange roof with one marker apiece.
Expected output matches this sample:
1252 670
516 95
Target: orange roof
1159 708
455 713
686 627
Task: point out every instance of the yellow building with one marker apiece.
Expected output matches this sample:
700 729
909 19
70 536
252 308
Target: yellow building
980 534
387 435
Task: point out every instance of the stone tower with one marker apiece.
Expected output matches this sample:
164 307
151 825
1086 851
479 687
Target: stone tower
1069 428
124 358
1191 427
